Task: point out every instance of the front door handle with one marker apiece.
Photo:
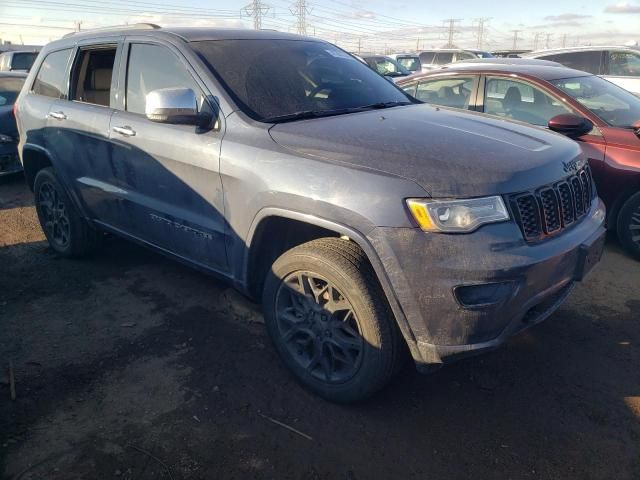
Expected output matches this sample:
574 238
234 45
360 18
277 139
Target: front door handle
58 115
126 131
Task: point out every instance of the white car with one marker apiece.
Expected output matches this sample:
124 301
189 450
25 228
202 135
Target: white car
620 65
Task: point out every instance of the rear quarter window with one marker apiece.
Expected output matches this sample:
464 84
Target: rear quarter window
51 80
590 61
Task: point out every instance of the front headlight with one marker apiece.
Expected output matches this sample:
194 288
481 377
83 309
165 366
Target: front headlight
457 216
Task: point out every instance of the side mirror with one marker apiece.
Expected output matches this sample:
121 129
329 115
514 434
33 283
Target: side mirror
636 128
174 105
570 125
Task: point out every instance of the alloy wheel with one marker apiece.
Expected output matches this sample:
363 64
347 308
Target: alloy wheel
54 215
318 327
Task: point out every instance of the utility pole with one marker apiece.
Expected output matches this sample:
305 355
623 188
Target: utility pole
417 44
257 10
548 35
78 24
300 9
515 39
359 45
452 31
564 40
536 40
480 33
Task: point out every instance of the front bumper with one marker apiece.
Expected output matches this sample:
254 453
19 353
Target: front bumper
463 294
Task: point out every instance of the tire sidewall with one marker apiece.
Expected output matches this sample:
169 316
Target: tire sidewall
631 206
48 175
371 361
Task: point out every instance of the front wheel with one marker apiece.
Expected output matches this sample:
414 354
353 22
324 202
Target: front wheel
629 225
66 231
329 321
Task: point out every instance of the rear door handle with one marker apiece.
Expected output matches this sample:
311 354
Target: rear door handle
126 131
58 115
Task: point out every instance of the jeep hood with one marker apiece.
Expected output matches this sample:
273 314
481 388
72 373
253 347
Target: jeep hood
449 153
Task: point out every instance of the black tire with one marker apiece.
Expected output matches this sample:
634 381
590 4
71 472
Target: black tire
628 225
370 358
66 231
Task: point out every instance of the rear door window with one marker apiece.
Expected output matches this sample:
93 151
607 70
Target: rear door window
92 75
624 63
521 101
443 58
23 60
427 57
590 61
51 80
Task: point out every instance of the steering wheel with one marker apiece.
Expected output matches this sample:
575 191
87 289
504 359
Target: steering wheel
318 88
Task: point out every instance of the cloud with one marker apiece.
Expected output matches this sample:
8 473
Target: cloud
566 17
623 8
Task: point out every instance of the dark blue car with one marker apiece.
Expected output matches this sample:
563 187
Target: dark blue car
10 86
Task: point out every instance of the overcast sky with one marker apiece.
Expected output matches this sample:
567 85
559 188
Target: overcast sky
369 24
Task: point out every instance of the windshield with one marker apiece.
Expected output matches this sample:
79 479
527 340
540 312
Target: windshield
611 103
280 78
410 63
9 90
23 60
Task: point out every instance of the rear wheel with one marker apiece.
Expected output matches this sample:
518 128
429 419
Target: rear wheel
329 321
629 225
66 231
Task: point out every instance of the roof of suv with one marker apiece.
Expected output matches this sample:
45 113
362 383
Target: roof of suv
189 34
545 72
588 48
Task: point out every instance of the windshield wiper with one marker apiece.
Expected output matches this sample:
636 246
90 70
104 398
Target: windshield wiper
306 114
379 105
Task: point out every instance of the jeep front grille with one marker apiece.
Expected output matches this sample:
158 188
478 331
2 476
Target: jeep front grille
552 208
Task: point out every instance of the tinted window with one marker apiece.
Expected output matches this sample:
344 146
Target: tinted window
280 78
585 61
449 92
387 66
427 57
51 79
521 101
464 56
624 64
23 61
443 58
613 104
152 67
410 63
9 90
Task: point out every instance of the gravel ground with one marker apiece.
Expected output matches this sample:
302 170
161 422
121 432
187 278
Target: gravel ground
130 366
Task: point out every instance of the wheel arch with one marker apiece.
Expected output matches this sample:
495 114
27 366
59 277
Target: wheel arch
309 227
34 159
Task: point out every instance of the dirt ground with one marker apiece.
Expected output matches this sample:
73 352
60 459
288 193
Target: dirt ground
131 366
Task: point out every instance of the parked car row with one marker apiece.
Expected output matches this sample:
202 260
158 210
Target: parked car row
603 117
17 60
370 224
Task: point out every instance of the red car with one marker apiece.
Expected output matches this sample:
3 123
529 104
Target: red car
603 117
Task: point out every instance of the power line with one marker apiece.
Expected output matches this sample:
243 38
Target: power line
515 39
481 32
452 32
257 10
300 10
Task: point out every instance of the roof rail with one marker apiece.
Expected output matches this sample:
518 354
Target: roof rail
132 26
